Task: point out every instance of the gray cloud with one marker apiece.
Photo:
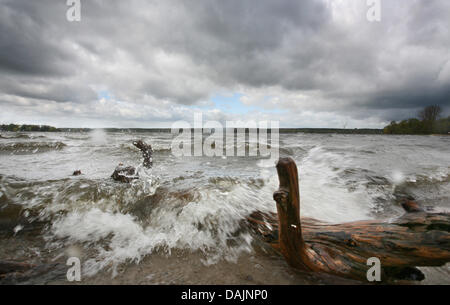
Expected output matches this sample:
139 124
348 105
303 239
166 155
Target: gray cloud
312 58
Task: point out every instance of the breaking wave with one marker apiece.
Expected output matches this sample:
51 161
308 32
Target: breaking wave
30 147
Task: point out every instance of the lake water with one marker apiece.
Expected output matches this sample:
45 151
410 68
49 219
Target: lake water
181 222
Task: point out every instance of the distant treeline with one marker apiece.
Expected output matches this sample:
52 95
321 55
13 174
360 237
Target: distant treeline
14 127
427 123
332 130
281 130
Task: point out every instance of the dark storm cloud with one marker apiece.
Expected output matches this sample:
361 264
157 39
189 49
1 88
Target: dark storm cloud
27 45
48 90
168 54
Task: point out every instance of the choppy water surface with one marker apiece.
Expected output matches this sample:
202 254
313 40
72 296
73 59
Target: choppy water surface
195 206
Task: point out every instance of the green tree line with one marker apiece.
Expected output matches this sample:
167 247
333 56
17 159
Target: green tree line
15 127
429 122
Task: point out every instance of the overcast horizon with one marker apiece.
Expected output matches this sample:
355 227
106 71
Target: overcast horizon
142 64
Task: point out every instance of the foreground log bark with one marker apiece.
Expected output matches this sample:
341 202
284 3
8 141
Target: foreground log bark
415 239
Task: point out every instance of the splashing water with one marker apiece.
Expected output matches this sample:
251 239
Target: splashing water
199 204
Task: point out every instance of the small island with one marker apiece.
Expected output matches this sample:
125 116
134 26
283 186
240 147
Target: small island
429 122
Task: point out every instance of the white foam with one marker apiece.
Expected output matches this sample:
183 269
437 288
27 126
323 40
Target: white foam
323 194
207 225
98 137
397 177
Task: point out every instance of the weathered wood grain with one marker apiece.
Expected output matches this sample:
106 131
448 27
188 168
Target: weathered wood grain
416 239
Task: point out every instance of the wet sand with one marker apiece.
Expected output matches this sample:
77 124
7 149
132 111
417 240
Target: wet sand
263 266
186 268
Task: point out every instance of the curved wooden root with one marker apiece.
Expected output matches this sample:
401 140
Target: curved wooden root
147 152
415 239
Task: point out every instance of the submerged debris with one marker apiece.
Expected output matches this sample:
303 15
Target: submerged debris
124 173
128 173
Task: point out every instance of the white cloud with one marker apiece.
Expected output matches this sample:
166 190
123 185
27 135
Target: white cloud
314 63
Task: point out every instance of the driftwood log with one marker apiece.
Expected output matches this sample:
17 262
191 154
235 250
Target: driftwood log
128 173
416 239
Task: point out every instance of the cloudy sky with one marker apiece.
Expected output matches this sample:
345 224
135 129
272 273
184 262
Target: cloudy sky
141 63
